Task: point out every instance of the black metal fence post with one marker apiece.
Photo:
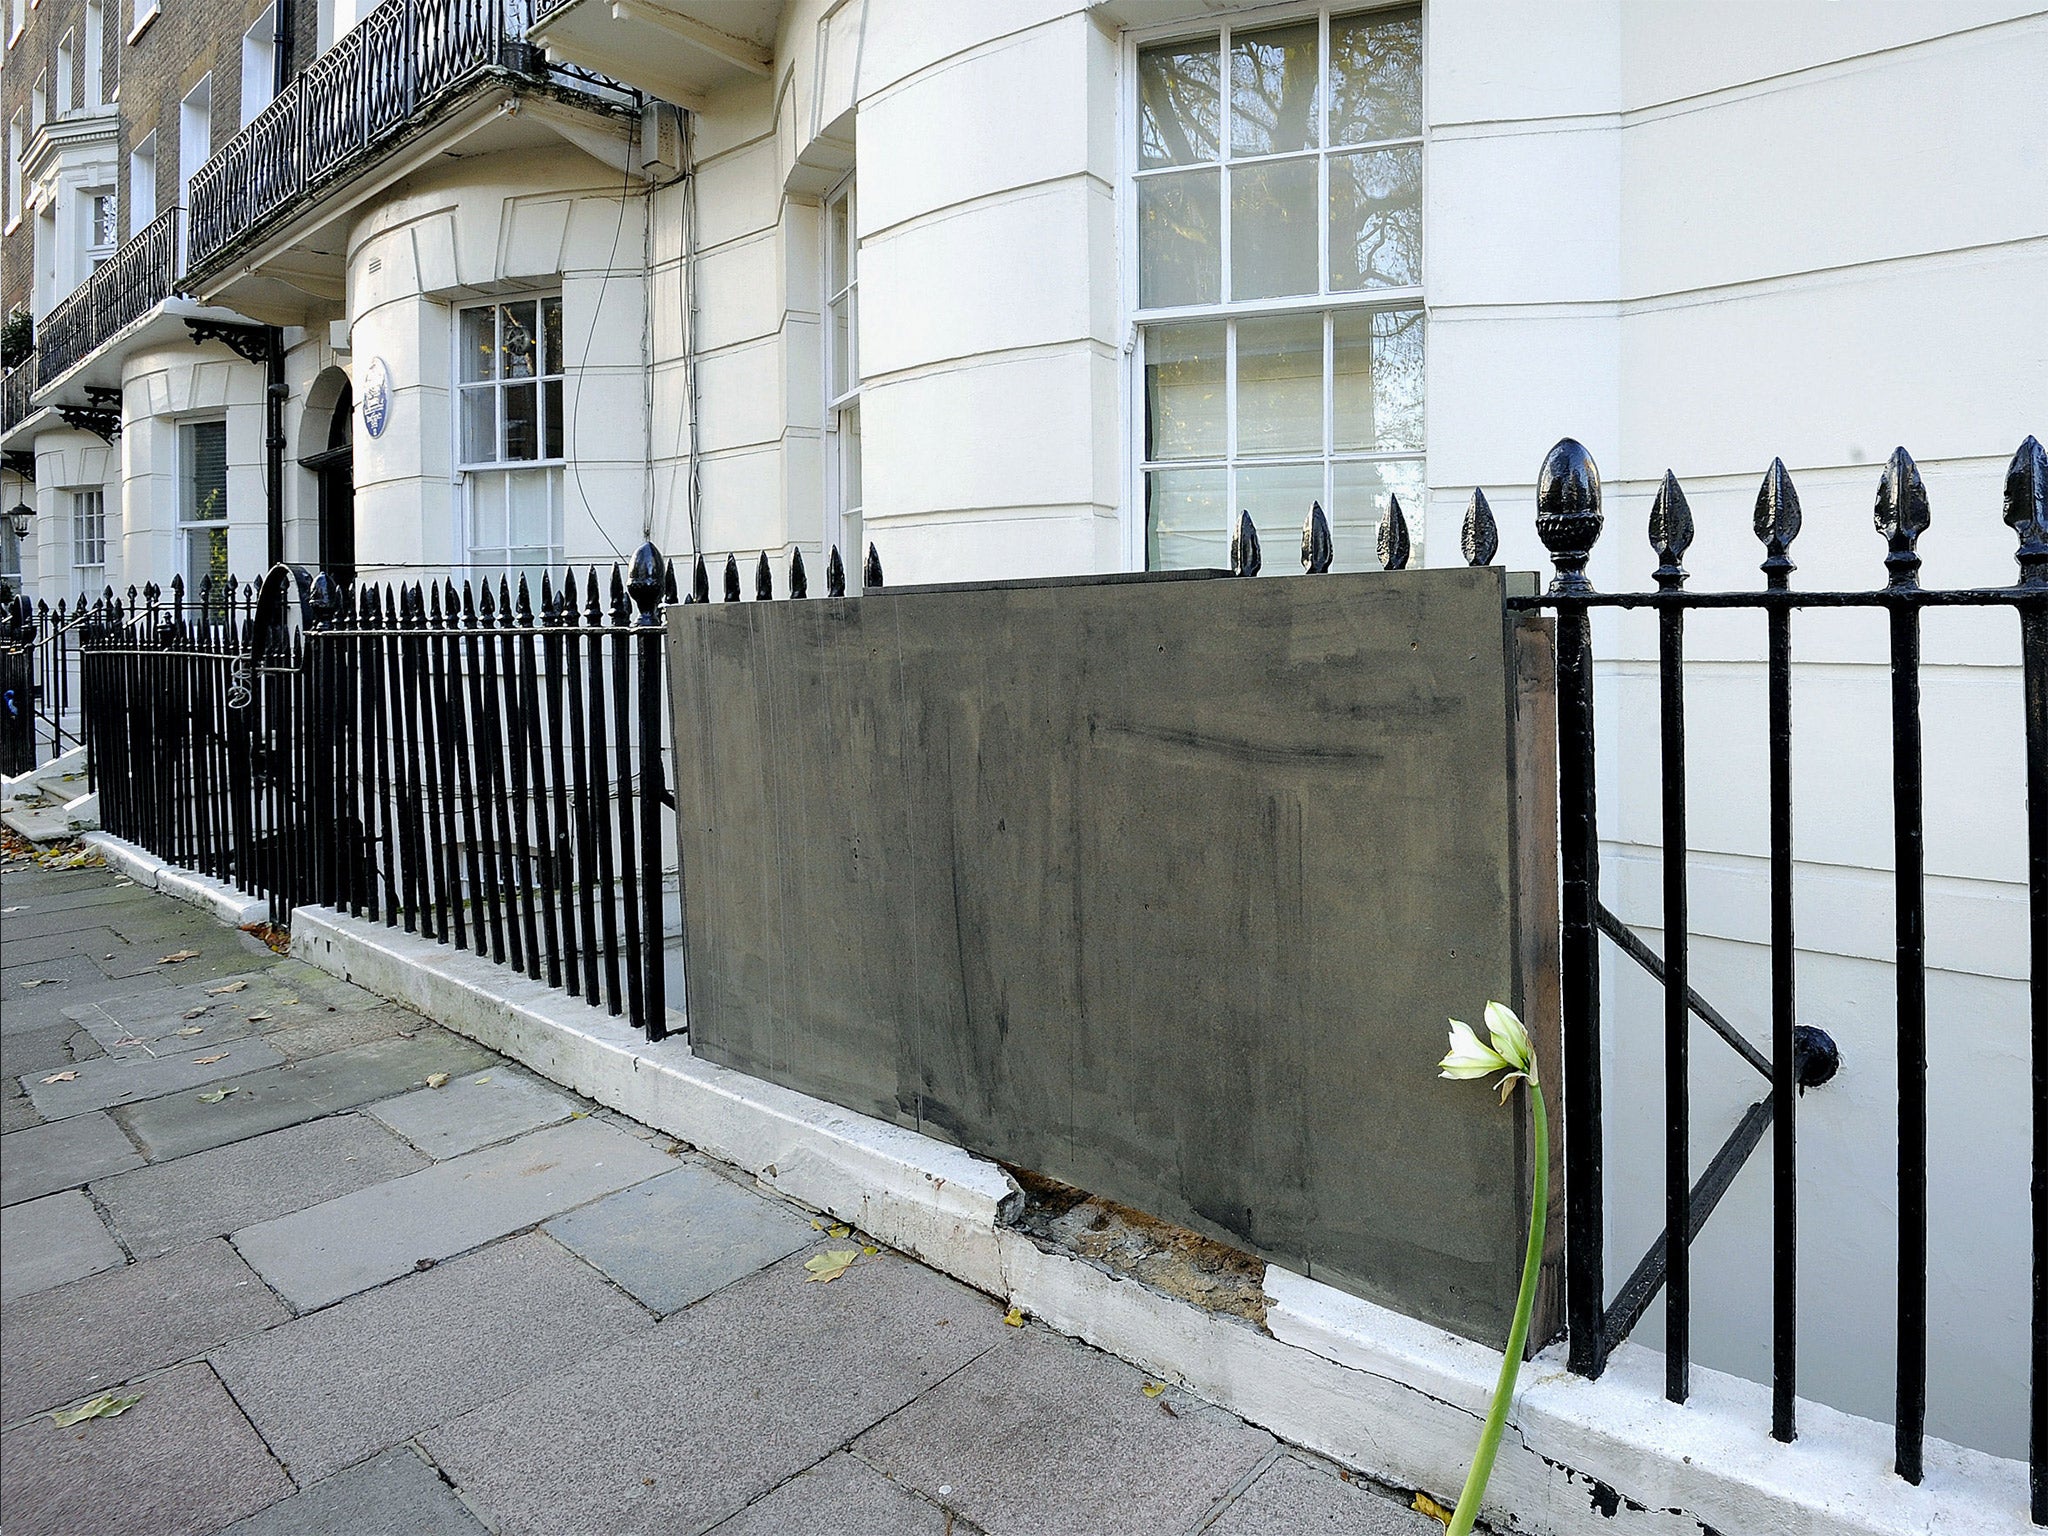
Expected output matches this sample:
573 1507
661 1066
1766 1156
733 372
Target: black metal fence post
645 587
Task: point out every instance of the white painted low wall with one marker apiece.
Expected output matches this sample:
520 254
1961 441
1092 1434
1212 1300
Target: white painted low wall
1379 1392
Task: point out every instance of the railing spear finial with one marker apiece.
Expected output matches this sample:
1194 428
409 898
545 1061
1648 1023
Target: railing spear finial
1318 549
732 579
1392 541
700 581
764 580
799 583
1670 533
1568 516
1777 524
2026 510
1902 516
643 583
871 573
1245 556
835 574
1479 539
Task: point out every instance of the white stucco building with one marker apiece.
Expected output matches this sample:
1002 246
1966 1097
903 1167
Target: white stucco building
1030 287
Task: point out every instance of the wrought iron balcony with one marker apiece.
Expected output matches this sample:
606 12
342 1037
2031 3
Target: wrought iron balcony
15 388
358 96
122 289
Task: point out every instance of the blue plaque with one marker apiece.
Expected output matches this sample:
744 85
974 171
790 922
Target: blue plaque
376 397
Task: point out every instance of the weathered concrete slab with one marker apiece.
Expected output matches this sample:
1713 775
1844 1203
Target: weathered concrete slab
840 1496
1161 887
47 1048
115 1080
742 1406
16 1112
86 1337
269 1101
1292 1498
474 1110
341 1031
395 1494
62 1155
1051 1435
342 1246
212 1193
676 1239
50 1241
181 1462
332 1388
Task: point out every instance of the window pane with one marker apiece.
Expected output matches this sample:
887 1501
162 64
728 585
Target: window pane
206 555
206 471
519 339
552 391
1376 219
478 344
1278 497
1378 360
480 425
529 508
1375 77
1273 229
842 345
1280 386
1358 499
1186 519
522 428
1273 89
1180 101
1179 253
486 513
1184 391
551 334
849 459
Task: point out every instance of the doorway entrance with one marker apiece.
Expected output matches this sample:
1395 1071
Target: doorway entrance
333 470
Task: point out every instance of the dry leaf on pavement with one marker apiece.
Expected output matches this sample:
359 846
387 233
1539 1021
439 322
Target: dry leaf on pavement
258 1016
1014 1317
207 1061
217 1095
177 957
232 986
1153 1388
436 1079
841 1229
44 981
193 1013
106 1406
61 1077
831 1264
192 1029
129 1040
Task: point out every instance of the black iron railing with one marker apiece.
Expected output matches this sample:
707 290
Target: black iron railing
440 758
16 389
122 289
43 674
349 102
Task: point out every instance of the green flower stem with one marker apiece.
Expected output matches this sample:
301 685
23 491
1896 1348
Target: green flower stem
1518 1335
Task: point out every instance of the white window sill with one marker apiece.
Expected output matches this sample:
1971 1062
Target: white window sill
15 36
12 225
142 22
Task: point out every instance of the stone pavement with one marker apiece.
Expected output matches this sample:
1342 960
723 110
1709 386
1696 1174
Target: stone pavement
347 1301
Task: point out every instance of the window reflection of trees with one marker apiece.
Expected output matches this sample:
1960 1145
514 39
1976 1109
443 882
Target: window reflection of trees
1375 78
1273 91
1180 104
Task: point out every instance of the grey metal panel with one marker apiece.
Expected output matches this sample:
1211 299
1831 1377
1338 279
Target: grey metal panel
1163 889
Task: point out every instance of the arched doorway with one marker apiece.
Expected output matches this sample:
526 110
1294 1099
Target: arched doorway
333 469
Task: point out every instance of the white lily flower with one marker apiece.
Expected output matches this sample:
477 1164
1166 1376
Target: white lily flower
1468 1057
1510 1038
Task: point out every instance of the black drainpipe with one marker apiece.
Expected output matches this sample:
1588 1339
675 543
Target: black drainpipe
280 48
274 393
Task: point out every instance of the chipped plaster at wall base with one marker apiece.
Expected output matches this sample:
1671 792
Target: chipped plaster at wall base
1367 1387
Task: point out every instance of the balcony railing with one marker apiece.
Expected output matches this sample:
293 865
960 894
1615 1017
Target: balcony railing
352 99
122 289
16 386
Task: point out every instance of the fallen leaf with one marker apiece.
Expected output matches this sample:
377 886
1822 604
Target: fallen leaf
1153 1388
1014 1317
232 986
1431 1508
217 1095
44 981
61 1077
207 1061
104 1407
177 957
484 1079
286 1002
869 1249
841 1230
192 1029
818 1226
831 1264
258 1016
5 911
193 1013
436 1079
131 1040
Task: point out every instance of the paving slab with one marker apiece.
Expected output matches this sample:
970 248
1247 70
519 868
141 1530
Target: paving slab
116 1080
395 1494
840 1496
300 1091
474 1110
45 1048
50 1241
85 1337
332 1388
16 1112
1292 1498
339 1031
62 1155
675 1429
180 1462
674 1240
37 948
341 1246
1052 1435
212 1193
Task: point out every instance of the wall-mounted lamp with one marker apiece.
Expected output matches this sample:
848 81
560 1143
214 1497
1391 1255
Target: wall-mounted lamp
18 518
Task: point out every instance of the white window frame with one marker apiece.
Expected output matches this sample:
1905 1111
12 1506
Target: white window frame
19 23
94 251
95 62
67 75
259 63
142 184
191 116
845 524
88 538
15 193
188 525
146 11
1137 318
483 477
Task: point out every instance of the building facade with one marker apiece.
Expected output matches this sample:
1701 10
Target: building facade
1044 287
